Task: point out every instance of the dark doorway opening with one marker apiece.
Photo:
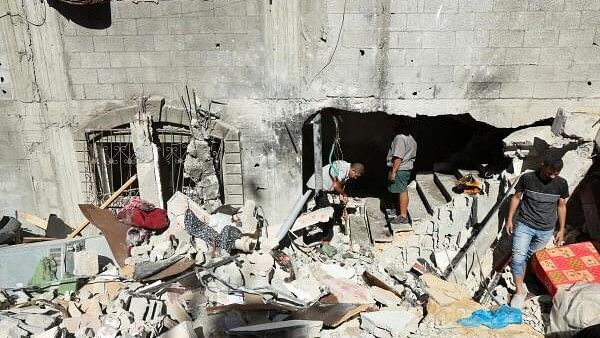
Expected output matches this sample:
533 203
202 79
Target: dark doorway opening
445 143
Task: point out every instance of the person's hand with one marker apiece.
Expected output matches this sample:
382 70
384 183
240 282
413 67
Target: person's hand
509 227
392 177
559 238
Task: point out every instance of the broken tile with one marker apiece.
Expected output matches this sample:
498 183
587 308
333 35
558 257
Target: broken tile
287 328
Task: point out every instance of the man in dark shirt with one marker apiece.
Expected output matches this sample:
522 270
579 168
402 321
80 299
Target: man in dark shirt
541 200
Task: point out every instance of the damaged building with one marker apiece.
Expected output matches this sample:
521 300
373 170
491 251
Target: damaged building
157 160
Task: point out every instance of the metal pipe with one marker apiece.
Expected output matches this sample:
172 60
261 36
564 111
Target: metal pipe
287 223
317 153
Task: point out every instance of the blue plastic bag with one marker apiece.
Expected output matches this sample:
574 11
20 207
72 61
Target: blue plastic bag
498 319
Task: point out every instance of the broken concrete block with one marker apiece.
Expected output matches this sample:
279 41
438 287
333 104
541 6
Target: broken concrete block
183 330
85 263
577 164
176 207
443 292
313 217
74 310
534 139
443 258
389 324
138 307
247 218
336 271
51 333
580 126
85 321
385 297
287 328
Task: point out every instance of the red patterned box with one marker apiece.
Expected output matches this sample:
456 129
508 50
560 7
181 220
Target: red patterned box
567 265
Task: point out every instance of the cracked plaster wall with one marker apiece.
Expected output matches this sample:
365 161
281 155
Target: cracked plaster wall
506 62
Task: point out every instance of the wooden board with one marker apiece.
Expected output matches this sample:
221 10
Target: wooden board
33 220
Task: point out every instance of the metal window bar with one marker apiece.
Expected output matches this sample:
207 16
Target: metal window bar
111 161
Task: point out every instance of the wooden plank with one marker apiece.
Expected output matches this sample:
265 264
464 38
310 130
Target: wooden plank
113 197
33 220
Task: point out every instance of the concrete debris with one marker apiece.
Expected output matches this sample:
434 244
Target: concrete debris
389 324
219 269
576 125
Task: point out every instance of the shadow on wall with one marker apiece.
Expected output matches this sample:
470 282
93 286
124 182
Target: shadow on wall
458 141
93 16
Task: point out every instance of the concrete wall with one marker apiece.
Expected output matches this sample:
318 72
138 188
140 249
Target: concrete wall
506 62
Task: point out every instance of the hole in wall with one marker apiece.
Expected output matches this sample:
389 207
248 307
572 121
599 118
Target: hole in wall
415 93
256 165
362 52
1 78
589 83
460 142
4 91
95 16
217 45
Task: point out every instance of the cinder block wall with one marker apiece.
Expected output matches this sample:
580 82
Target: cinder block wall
506 62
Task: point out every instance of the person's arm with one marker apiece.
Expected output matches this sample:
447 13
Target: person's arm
512 208
395 165
562 218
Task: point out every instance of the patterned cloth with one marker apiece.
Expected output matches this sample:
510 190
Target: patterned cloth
567 265
224 240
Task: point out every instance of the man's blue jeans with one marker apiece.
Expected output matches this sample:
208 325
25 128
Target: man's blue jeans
525 242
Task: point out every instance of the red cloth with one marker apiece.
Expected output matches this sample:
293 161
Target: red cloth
567 265
142 214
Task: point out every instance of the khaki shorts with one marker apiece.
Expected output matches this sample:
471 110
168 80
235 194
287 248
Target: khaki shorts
401 183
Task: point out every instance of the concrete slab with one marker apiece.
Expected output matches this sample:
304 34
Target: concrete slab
416 208
430 193
389 324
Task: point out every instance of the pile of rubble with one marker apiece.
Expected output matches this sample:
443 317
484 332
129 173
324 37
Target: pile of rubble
211 270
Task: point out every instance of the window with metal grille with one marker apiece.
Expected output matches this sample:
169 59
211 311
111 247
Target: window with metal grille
112 161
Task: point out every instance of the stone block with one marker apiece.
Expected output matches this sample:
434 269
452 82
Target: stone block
550 89
94 60
390 324
152 26
582 5
127 91
471 38
108 43
527 20
155 59
455 56
139 43
475 5
483 90
539 73
506 38
168 43
581 126
78 43
398 22
586 55
437 74
99 91
138 307
111 75
492 21
130 10
422 22
236 200
440 6
540 38
421 57
516 90
563 19
405 40
576 37
232 158
510 5
137 75
546 5
515 56
233 189
583 89
83 76
124 59
122 27
441 39
404 6
232 179
457 21
557 56
488 56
